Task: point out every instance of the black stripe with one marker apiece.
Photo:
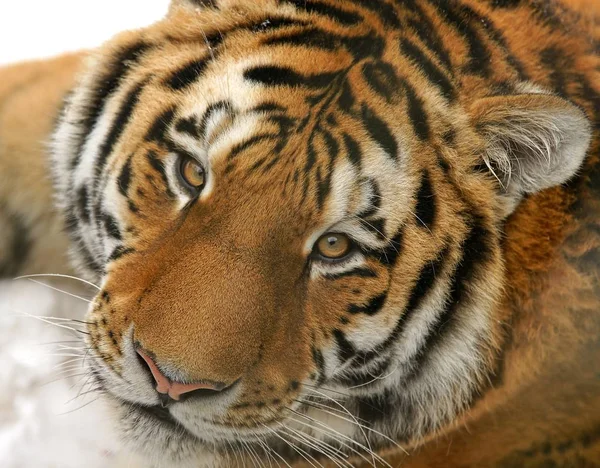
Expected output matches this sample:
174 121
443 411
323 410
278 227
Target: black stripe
188 126
375 226
360 272
353 151
119 252
389 255
382 78
337 14
105 86
495 35
345 349
426 207
416 112
424 284
83 203
111 226
362 378
346 99
269 107
480 57
239 148
376 408
505 3
313 38
429 69
160 126
380 132
319 361
118 125
371 308
159 167
273 75
386 12
559 65
427 32
210 111
187 75
124 179
324 183
476 251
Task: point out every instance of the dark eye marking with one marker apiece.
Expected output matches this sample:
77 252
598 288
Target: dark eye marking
372 307
360 272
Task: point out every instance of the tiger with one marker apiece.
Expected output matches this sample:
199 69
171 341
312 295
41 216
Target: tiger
326 232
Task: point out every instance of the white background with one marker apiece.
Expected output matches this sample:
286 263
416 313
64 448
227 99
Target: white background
43 28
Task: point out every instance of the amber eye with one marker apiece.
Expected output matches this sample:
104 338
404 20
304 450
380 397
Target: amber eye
333 246
192 173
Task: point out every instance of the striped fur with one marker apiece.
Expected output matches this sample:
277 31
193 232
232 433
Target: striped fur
415 127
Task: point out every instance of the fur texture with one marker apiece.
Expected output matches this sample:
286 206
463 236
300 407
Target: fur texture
456 144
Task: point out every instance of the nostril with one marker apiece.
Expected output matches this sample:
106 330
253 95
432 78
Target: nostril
172 390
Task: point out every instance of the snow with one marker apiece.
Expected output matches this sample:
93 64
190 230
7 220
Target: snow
43 424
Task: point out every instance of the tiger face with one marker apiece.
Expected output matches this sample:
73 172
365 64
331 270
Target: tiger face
295 221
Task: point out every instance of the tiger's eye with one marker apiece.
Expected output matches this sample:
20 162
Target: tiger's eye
193 173
334 246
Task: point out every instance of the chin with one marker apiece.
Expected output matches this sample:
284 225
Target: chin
151 433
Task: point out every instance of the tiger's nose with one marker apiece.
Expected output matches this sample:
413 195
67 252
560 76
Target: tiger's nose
170 390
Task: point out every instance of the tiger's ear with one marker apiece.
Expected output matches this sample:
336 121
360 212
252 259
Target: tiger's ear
533 141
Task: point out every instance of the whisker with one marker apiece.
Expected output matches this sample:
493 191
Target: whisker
345 437
298 450
360 426
322 447
81 407
42 319
331 433
274 452
56 275
59 290
354 421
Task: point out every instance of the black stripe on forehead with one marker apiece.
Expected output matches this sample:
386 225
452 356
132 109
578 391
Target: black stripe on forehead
161 125
380 132
104 86
187 75
120 122
340 15
274 75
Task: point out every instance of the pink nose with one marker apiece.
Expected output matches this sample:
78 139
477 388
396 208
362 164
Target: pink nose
165 386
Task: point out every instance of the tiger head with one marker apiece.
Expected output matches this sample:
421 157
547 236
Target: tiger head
294 216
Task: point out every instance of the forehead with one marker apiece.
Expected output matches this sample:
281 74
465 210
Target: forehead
304 128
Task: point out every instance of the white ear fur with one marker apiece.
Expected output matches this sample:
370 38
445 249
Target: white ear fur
534 141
